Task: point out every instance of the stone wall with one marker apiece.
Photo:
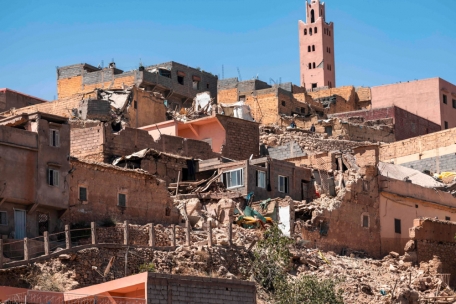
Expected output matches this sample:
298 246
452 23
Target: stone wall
444 163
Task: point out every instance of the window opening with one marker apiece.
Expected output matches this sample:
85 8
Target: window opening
313 48
310 66
207 86
303 110
242 98
313 65
3 218
122 200
196 85
283 103
366 221
310 31
305 31
261 179
233 178
314 85
283 184
397 226
180 79
135 104
315 30
54 138
167 211
444 99
82 194
454 103
329 130
164 73
43 223
308 49
447 218
312 16
53 177
446 125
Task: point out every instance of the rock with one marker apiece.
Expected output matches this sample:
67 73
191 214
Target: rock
394 254
409 246
65 257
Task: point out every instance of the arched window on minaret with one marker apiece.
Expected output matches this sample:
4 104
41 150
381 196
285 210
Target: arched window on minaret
310 65
305 31
312 16
310 31
315 31
308 48
313 65
313 48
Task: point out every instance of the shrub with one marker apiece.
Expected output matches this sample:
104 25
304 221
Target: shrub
146 267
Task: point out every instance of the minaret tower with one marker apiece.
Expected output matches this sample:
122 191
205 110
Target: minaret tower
316 48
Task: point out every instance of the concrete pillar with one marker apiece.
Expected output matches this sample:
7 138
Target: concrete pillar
46 243
173 233
26 250
151 235
209 233
93 231
126 236
187 233
67 236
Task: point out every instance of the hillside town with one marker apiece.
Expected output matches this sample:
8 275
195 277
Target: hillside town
163 184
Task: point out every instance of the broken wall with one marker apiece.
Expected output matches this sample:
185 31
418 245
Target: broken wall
435 238
11 99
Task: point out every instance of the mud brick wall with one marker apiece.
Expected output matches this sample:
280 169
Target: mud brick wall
147 197
242 138
419 148
228 96
57 107
164 288
436 237
87 141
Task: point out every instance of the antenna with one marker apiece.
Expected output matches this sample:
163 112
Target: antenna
272 81
239 74
223 72
102 64
280 80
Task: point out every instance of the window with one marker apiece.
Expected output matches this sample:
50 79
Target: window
242 98
397 226
454 103
234 178
122 200
207 86
43 223
308 49
313 48
444 99
329 130
54 138
136 104
303 110
312 16
196 85
283 103
315 30
53 177
305 31
3 218
167 211
365 222
261 179
446 125
180 79
83 194
314 85
283 184
310 31
165 73
447 218
310 66
313 65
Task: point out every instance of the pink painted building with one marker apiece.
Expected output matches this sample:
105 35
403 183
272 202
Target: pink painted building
12 99
433 99
316 48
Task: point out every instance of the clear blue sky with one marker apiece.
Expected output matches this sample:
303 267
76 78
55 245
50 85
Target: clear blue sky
377 42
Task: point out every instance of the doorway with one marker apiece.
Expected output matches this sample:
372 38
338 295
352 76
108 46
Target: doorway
19 224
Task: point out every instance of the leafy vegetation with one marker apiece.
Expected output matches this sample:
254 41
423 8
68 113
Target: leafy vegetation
146 267
270 269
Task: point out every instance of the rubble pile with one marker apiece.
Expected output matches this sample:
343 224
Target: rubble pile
394 279
274 136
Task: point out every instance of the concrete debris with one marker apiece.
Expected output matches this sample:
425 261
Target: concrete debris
408 175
